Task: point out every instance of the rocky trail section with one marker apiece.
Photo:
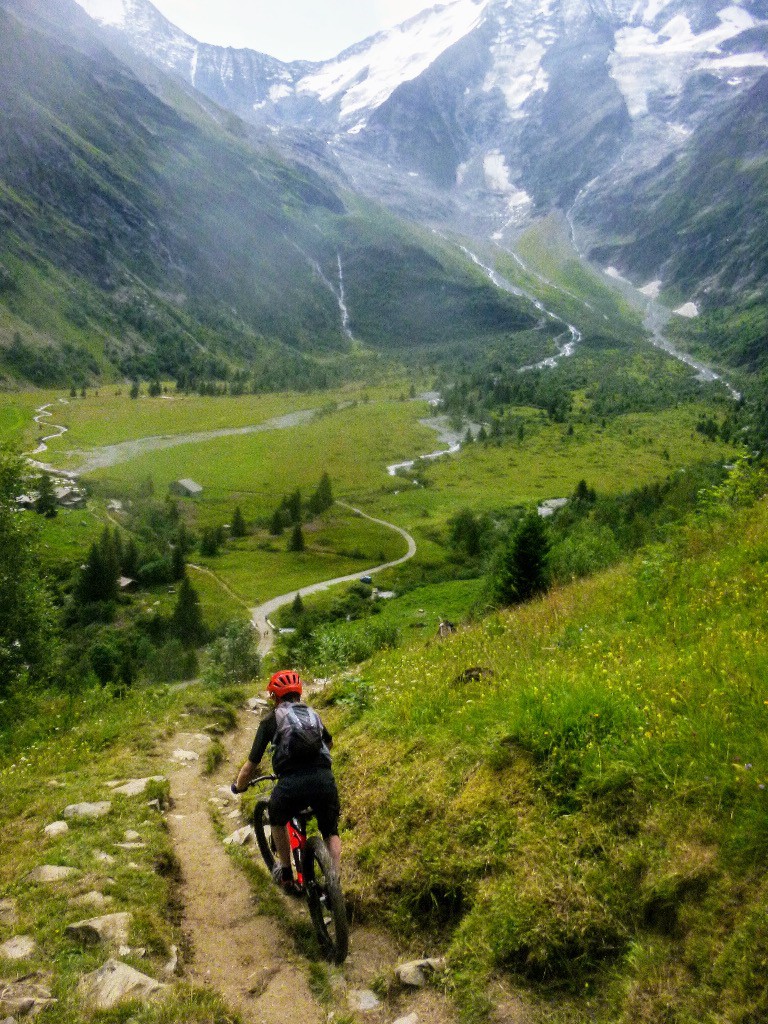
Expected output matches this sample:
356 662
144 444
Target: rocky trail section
248 956
242 954
250 950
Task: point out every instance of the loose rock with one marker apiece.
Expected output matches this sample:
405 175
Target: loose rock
131 846
56 828
93 899
50 873
185 756
412 1018
416 972
173 964
363 999
103 858
240 837
110 929
27 996
135 787
18 948
8 914
86 810
131 836
115 982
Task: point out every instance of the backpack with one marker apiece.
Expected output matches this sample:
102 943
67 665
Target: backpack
299 737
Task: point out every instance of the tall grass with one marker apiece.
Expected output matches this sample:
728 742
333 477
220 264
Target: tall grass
587 807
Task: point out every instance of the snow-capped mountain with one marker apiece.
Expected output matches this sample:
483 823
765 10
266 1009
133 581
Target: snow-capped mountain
508 107
342 91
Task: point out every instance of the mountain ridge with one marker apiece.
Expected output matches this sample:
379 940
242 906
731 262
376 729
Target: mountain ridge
510 111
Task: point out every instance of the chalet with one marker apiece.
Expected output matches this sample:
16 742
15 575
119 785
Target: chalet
185 488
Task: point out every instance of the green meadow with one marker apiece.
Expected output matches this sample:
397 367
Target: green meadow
354 436
580 807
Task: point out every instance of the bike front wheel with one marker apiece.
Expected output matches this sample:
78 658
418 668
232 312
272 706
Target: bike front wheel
263 832
326 903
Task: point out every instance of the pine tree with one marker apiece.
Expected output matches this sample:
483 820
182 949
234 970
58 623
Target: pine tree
237 526
46 497
297 606
110 550
117 545
134 392
465 535
209 542
322 499
520 572
293 507
183 539
187 619
276 525
178 563
296 542
130 562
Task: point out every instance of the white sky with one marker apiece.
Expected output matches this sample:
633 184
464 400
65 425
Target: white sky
288 29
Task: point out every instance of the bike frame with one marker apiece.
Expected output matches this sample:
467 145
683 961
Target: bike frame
297 834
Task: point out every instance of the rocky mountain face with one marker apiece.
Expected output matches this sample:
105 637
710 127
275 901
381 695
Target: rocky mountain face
160 240
489 113
501 110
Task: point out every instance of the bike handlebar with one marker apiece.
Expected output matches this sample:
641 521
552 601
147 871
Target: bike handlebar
261 778
254 782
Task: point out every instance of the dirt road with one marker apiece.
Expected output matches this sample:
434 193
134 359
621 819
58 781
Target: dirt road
261 614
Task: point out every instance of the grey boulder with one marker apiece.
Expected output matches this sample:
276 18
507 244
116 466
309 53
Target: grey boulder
115 983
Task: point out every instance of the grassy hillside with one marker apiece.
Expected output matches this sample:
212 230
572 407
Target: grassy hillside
572 795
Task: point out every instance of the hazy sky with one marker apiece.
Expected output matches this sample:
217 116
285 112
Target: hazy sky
288 29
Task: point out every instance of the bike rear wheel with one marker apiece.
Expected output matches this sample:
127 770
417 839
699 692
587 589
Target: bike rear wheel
263 832
326 903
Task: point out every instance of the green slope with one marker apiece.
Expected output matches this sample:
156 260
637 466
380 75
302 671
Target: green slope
573 795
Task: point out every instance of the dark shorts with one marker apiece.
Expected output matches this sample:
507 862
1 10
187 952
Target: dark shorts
299 790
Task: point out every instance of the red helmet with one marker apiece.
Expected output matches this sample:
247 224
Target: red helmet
284 682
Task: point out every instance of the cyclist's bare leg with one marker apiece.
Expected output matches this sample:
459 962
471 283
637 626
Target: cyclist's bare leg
334 848
282 845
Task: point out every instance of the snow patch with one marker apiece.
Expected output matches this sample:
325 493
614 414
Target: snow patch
689 309
279 92
496 172
615 274
517 71
363 79
498 180
653 10
106 12
652 289
645 61
736 60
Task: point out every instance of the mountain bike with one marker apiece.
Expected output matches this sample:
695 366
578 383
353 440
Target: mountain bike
314 875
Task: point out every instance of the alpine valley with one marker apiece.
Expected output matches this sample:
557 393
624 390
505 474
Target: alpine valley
436 373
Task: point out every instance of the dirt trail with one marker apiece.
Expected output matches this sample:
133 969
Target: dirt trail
246 955
243 955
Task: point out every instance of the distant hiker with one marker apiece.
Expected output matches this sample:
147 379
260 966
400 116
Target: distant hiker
301 760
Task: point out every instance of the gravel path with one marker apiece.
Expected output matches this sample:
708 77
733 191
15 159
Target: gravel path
260 615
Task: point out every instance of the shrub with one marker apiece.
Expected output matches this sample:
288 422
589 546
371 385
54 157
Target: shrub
233 657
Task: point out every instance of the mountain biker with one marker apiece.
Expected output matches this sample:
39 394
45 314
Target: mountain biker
304 781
